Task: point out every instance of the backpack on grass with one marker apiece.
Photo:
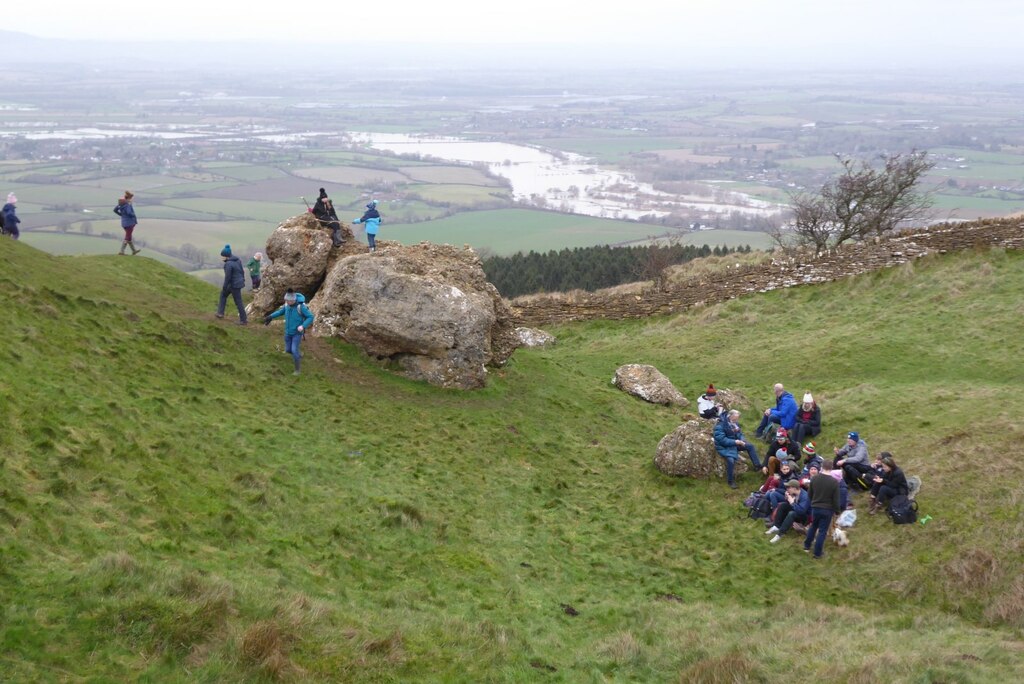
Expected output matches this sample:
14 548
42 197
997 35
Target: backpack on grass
760 507
903 510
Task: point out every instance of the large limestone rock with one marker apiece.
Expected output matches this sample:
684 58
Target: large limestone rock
648 383
428 308
533 337
690 450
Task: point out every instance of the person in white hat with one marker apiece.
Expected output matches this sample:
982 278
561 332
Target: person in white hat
808 420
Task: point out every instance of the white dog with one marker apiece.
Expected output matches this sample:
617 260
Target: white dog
840 538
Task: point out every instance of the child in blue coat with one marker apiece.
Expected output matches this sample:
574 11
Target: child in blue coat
297 319
372 219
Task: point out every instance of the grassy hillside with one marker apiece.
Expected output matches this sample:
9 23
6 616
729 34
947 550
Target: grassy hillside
175 506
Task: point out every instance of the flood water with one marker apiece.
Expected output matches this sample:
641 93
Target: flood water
566 182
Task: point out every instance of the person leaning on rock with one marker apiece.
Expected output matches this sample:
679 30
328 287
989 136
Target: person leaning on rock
729 440
234 281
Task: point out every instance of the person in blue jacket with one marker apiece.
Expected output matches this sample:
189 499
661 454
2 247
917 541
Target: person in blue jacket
372 219
234 281
10 218
784 413
297 319
729 440
126 211
795 508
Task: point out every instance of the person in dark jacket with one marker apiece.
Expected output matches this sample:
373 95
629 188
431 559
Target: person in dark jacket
824 494
795 508
784 413
372 219
891 483
853 459
808 420
10 218
729 440
234 281
126 211
781 442
324 212
297 319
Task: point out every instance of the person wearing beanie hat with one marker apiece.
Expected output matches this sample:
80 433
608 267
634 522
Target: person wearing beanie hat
9 221
777 493
126 211
372 219
783 415
783 442
324 212
728 442
706 405
254 270
813 459
853 459
234 281
808 420
794 508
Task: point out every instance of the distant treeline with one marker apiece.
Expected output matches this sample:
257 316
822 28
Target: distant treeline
589 268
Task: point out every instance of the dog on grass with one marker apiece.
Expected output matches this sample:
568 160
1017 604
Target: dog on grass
840 538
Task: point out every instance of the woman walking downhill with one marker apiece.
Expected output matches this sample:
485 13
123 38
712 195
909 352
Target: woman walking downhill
10 218
126 211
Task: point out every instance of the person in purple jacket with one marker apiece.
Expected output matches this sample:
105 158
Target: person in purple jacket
126 211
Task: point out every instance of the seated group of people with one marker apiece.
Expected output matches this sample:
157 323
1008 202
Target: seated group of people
789 489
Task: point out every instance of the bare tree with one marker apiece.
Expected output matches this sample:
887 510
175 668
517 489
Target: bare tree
862 201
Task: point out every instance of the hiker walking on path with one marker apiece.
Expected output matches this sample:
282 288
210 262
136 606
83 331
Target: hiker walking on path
324 212
10 219
297 319
126 211
234 281
372 219
254 270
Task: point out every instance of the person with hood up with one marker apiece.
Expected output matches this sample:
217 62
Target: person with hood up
297 319
729 440
372 219
126 211
10 219
234 281
784 413
254 269
808 420
324 212
707 407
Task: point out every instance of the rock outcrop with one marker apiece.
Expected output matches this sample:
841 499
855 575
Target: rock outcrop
299 251
689 450
648 383
533 337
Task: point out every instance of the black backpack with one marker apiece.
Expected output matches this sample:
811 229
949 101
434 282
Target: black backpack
761 508
903 510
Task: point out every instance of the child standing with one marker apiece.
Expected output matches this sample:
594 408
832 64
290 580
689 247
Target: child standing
126 211
254 270
372 219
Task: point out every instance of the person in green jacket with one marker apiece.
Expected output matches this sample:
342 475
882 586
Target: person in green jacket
254 270
297 319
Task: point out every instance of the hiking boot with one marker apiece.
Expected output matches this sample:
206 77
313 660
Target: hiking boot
218 315
733 485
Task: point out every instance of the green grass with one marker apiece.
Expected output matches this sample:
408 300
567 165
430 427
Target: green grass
74 245
175 506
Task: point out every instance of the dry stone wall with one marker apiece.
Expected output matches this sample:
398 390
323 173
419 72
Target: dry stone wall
801 269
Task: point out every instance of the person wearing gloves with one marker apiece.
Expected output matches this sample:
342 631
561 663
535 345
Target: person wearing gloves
795 508
126 211
297 319
853 459
254 269
234 281
372 219
784 413
808 420
10 219
707 407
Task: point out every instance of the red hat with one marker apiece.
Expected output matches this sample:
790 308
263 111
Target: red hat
711 390
782 432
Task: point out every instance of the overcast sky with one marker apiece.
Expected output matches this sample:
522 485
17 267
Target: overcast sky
893 32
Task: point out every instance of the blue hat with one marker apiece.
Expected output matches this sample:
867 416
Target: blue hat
372 204
854 436
226 251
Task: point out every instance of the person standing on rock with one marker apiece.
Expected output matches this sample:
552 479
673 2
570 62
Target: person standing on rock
254 270
234 281
10 218
324 212
729 440
372 219
126 211
297 319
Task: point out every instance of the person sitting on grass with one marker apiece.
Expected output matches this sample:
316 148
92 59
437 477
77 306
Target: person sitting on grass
808 420
813 459
794 508
782 442
787 472
853 459
729 440
707 407
784 413
891 483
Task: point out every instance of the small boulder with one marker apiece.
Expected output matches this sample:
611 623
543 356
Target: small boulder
532 337
298 251
689 450
648 383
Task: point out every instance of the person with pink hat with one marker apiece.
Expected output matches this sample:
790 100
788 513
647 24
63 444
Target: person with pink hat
10 217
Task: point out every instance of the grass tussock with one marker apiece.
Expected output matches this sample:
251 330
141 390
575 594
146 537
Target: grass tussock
401 515
1007 607
731 668
621 649
265 647
972 570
